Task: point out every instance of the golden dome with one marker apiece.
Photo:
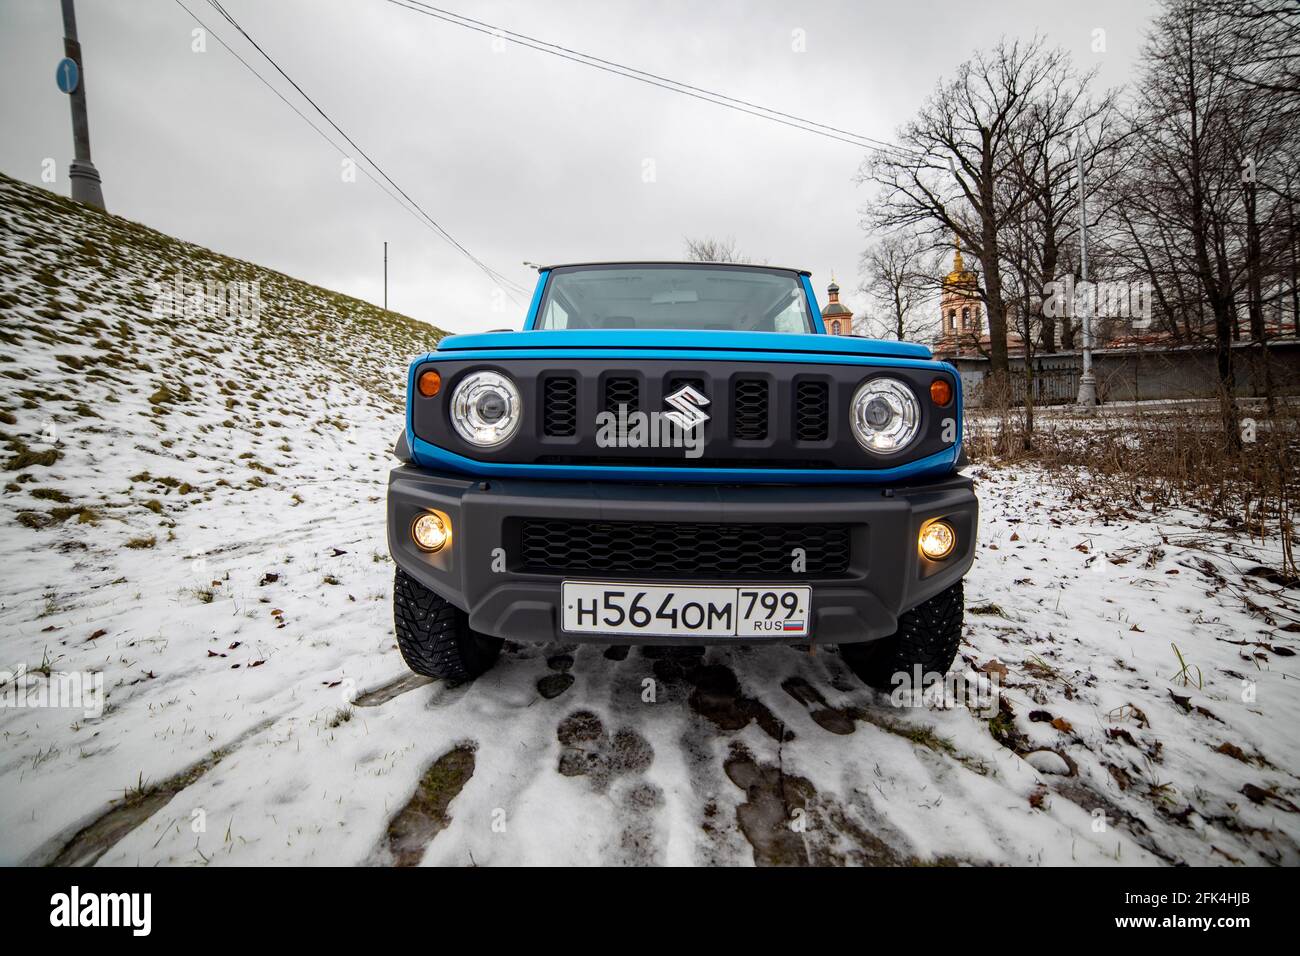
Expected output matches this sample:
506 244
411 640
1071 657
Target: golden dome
960 275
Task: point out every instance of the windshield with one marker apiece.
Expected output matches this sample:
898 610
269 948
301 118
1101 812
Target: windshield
733 298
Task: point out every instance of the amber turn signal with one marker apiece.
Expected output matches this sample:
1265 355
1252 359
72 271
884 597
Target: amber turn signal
941 391
428 383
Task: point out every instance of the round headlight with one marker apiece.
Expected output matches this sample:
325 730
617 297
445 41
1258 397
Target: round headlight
486 409
885 415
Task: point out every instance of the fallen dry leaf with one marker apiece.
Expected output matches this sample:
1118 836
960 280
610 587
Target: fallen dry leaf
995 666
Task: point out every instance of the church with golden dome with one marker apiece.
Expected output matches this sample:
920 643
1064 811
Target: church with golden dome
961 315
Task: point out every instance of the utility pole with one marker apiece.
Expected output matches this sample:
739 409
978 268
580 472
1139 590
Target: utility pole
385 276
81 171
1088 381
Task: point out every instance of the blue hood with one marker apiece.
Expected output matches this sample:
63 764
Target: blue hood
683 339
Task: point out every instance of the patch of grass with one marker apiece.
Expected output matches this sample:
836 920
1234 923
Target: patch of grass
1002 728
46 666
34 519
51 604
84 514
1184 672
24 457
50 494
137 544
165 395
1150 460
923 736
339 717
154 505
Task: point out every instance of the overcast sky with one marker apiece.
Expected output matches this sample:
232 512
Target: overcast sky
520 155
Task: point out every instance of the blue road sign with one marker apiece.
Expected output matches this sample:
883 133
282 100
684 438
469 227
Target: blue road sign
67 75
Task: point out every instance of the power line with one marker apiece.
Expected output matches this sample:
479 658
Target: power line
652 79
321 133
491 273
447 236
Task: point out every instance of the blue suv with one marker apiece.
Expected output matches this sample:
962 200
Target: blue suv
678 453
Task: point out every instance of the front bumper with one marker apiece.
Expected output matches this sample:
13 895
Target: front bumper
886 575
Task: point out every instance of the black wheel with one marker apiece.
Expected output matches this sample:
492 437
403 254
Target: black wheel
434 635
927 635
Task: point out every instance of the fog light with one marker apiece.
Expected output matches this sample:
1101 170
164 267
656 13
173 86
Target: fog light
937 540
431 532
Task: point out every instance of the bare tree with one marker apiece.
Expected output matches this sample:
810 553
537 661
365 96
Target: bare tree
956 170
900 274
1060 115
710 249
1264 39
1213 128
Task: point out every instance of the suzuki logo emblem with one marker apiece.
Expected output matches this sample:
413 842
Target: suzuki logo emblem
687 412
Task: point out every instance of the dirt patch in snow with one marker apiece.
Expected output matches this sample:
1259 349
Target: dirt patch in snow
394 688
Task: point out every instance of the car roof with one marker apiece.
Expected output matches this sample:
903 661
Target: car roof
677 262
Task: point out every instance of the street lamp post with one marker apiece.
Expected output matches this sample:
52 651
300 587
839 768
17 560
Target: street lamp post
1088 381
81 171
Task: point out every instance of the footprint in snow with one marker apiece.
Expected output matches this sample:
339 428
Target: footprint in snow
837 720
587 750
425 815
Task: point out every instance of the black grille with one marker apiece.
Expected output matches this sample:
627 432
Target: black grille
681 549
749 409
622 391
811 414
560 407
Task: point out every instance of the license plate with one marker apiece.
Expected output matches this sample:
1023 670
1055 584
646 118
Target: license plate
666 611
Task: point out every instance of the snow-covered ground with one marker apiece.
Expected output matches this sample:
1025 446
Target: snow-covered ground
220 560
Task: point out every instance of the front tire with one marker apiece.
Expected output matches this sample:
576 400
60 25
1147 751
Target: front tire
927 635
434 635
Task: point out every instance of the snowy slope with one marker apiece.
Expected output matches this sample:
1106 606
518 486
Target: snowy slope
258 711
